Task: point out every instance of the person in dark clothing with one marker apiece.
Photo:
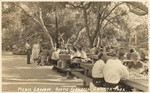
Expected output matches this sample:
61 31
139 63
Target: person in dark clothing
28 47
44 55
136 65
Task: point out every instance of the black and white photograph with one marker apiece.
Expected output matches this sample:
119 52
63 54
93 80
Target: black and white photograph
74 46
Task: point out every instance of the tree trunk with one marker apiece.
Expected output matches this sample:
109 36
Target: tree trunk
56 28
98 42
41 23
79 35
100 39
46 31
98 25
87 27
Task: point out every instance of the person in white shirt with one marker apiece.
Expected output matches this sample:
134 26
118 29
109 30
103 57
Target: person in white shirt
76 53
97 70
93 50
55 57
98 82
83 54
114 71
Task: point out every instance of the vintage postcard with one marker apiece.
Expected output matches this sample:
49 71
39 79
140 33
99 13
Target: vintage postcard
74 46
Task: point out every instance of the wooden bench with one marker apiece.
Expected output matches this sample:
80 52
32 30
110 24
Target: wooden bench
68 70
86 80
63 69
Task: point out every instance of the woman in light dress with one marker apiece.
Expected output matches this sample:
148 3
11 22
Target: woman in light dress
35 51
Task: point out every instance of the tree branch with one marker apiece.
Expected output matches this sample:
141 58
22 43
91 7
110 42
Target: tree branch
102 13
69 39
105 7
61 37
75 6
78 36
79 6
111 11
108 20
27 13
115 25
88 6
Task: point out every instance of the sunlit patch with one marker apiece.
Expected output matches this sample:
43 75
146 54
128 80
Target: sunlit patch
6 68
36 67
8 75
45 80
13 57
54 76
68 86
38 83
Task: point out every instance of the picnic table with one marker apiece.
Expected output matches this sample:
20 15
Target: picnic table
65 58
92 56
95 57
64 63
141 84
75 61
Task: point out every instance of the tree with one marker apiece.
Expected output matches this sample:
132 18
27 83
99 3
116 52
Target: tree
67 22
11 29
100 9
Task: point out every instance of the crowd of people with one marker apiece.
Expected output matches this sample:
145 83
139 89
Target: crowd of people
107 71
42 54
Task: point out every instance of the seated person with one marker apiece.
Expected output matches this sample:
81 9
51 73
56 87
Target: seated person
55 56
93 50
83 54
129 54
76 53
143 55
76 56
136 65
97 71
114 71
70 51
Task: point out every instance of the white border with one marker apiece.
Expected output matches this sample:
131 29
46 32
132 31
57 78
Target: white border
63 1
